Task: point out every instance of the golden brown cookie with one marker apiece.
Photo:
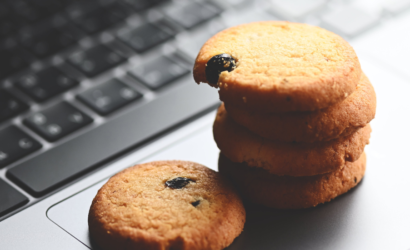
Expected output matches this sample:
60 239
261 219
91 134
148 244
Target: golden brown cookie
283 158
166 205
341 119
287 192
281 66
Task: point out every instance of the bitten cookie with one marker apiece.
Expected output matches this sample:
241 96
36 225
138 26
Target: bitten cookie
277 66
280 158
339 120
286 192
166 205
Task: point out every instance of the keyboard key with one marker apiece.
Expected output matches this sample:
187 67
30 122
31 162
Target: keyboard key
146 36
57 121
190 14
46 41
9 25
81 8
349 21
10 198
140 5
12 58
10 106
95 60
159 72
102 18
14 145
295 8
51 5
4 10
109 96
45 84
28 10
63 163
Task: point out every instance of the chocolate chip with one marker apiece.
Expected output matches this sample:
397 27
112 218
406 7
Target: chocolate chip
196 203
355 180
218 64
178 182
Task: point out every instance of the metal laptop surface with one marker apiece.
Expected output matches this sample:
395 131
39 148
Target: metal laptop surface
374 215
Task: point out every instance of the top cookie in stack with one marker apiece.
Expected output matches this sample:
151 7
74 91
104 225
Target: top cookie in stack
296 102
281 67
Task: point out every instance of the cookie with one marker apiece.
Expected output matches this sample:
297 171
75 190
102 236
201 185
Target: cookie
279 67
286 192
282 158
339 120
166 205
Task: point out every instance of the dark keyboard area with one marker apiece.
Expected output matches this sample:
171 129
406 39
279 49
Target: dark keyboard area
146 36
84 81
109 96
54 168
158 72
15 144
10 106
57 121
10 198
45 84
95 60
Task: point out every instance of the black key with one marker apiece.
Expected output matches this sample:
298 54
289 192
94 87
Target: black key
95 60
12 58
45 84
51 169
9 25
4 10
15 144
109 96
158 72
190 14
51 5
28 11
46 41
140 5
10 106
102 18
10 198
146 36
82 8
11 61
57 121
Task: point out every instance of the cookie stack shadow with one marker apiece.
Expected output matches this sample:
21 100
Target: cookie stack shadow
294 160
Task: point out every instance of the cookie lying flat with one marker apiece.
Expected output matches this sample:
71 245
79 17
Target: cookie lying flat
166 205
279 67
341 119
286 192
280 158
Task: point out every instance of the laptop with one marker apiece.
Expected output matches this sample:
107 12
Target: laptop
90 87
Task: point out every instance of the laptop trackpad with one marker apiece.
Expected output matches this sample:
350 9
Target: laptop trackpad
72 213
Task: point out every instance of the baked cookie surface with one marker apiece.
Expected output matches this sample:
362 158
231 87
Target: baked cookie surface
339 120
286 192
166 205
281 66
280 158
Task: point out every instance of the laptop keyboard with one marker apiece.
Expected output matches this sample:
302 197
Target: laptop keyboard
69 69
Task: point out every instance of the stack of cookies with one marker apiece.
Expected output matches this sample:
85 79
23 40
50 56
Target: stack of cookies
294 122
